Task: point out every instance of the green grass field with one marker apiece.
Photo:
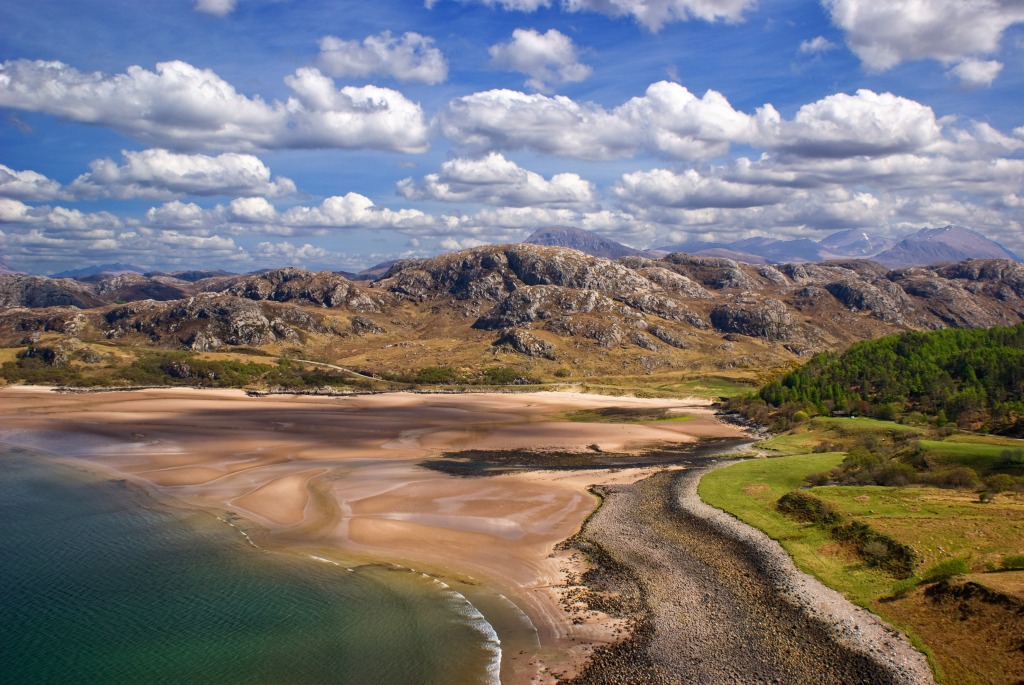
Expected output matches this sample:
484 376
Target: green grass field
749 490
939 524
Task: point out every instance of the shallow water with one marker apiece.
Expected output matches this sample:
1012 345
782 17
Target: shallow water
100 584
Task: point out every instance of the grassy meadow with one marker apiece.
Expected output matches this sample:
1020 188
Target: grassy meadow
945 527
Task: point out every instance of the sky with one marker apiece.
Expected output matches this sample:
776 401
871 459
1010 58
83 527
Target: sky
246 134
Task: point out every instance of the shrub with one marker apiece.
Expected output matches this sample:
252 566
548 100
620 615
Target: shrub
1001 482
818 479
958 477
895 474
435 374
944 570
501 375
1010 459
878 549
804 507
1014 562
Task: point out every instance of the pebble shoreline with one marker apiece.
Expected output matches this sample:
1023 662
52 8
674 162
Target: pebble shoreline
712 600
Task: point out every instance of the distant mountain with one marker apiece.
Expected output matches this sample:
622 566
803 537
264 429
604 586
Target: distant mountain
928 246
778 251
191 276
584 241
856 243
949 244
4 269
374 272
115 268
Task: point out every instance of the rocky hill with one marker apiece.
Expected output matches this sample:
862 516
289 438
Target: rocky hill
547 307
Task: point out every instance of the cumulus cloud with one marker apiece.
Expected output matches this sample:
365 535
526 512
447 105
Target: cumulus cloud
246 215
547 58
517 5
671 121
179 106
160 174
56 219
218 8
410 58
352 210
976 73
494 180
28 185
883 34
866 123
283 252
667 119
651 14
816 45
692 190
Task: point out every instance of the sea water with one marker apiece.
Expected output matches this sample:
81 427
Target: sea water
101 584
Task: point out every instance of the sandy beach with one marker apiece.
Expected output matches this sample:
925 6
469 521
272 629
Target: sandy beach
339 477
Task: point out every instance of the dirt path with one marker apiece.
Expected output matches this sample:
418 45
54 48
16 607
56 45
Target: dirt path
710 608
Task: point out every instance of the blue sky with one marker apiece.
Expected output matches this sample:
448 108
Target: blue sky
242 134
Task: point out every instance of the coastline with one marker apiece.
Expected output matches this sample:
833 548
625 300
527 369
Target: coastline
340 478
712 600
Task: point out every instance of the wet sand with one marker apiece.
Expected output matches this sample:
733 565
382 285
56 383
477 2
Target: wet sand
340 477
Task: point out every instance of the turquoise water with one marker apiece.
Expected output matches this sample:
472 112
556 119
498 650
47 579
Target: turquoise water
98 584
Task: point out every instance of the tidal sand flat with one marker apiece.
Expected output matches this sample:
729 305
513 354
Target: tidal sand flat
337 484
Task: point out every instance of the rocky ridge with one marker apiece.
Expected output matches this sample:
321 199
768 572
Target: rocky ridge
544 303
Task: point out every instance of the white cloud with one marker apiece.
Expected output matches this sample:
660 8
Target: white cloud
883 34
516 5
283 252
179 106
976 73
352 210
667 119
56 219
547 58
866 123
252 210
816 45
218 8
410 58
27 185
495 180
652 14
160 174
256 214
692 190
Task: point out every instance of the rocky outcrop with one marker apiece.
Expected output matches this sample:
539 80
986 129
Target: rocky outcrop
19 290
322 289
767 318
206 322
884 300
532 303
524 342
491 273
129 287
